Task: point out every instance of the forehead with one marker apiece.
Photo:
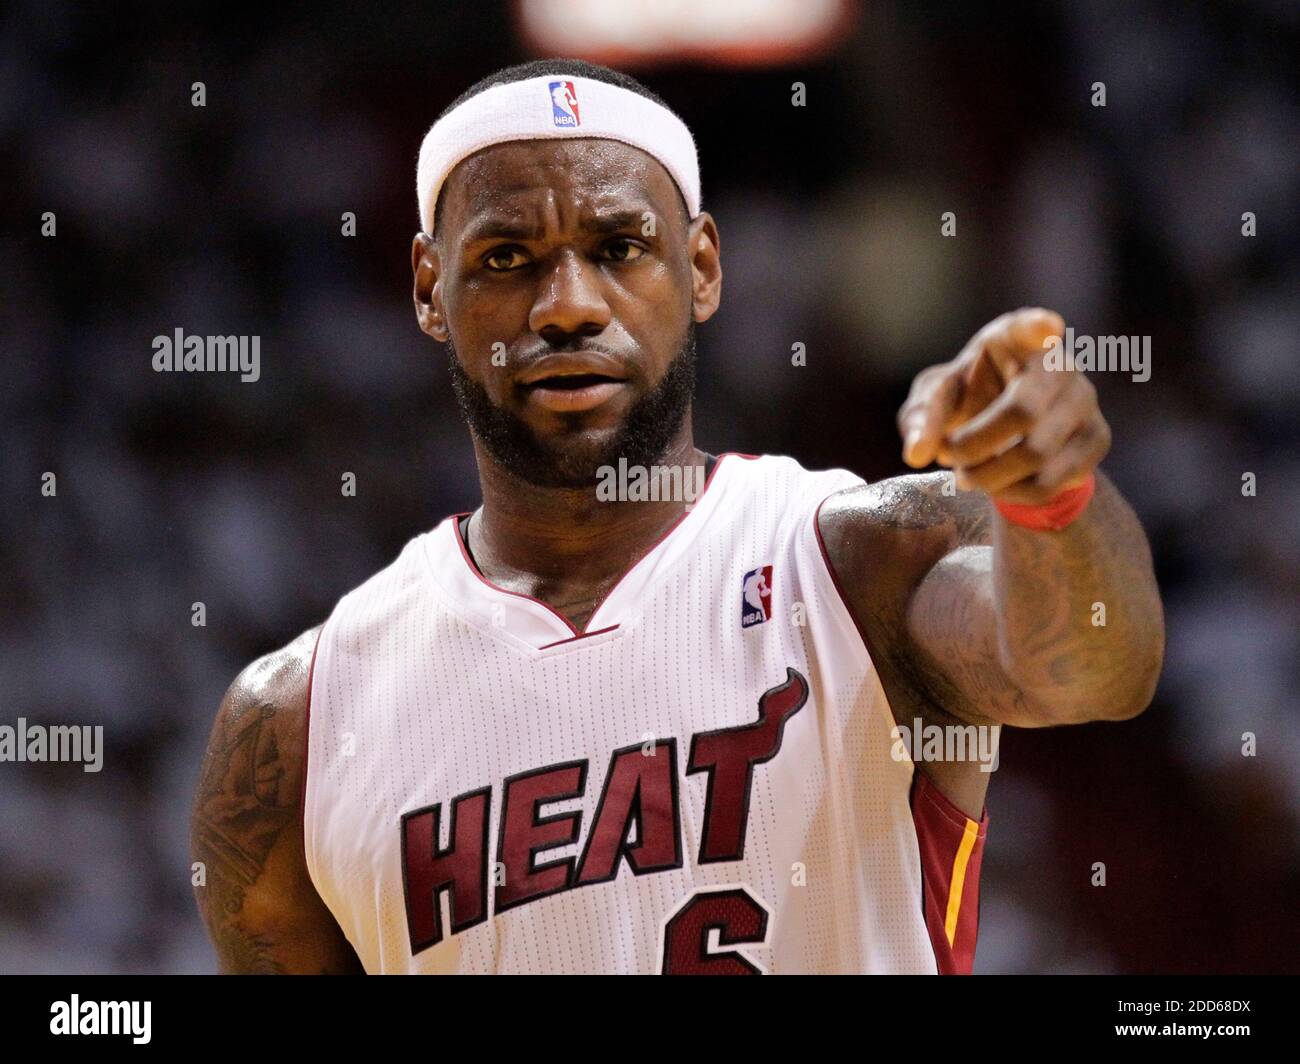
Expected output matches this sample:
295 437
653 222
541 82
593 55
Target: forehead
586 173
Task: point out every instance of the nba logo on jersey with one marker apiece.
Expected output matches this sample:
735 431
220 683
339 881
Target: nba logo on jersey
756 597
564 104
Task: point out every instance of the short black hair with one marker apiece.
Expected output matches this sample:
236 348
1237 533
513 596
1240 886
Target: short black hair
536 68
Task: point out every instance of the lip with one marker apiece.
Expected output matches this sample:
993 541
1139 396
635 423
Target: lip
570 399
544 381
573 364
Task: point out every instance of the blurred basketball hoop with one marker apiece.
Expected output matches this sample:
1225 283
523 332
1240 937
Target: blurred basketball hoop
731 32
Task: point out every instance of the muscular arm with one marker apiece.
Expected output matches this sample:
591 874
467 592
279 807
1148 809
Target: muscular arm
920 569
1014 628
882 540
1036 627
258 902
990 622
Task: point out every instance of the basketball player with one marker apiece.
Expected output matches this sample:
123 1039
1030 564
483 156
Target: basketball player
566 734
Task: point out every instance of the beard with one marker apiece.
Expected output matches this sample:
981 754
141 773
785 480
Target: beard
573 460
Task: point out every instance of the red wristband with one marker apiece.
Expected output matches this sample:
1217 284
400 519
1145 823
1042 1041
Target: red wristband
1051 516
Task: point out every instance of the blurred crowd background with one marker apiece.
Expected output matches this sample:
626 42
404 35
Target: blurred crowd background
175 489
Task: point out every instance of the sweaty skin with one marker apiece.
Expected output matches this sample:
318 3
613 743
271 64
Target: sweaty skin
258 902
543 252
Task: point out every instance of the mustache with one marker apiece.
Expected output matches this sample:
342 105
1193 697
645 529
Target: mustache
520 362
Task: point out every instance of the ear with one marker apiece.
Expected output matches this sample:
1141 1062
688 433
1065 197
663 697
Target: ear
427 267
706 266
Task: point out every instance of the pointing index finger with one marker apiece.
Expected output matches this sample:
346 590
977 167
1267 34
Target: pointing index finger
922 420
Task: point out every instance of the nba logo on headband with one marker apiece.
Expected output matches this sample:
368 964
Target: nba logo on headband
564 103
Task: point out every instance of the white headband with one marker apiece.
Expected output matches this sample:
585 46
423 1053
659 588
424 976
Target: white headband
549 106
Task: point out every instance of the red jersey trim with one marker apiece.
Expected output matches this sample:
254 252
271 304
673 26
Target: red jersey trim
574 639
951 846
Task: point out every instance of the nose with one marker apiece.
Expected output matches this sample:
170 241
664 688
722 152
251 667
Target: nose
569 301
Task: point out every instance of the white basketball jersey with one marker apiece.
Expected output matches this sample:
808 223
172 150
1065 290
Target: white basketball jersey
701 781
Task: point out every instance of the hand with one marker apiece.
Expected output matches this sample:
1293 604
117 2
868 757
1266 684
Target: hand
1001 420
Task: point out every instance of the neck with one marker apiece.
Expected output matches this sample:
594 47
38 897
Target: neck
567 546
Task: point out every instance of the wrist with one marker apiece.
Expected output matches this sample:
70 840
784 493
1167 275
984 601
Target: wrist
1055 514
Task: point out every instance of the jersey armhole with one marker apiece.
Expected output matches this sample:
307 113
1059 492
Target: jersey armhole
950 844
835 580
306 747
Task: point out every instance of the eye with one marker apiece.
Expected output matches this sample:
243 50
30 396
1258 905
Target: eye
505 258
622 249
